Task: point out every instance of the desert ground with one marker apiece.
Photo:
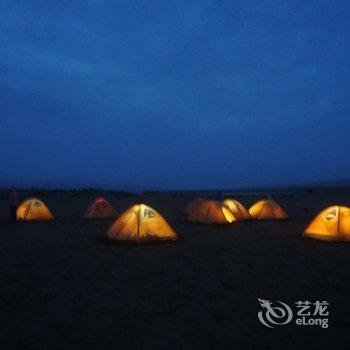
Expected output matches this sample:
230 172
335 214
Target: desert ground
62 288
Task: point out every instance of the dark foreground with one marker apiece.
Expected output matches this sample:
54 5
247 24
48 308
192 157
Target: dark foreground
61 289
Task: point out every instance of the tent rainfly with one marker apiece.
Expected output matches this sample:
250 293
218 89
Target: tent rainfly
100 209
211 212
331 224
238 209
193 204
33 209
141 223
267 209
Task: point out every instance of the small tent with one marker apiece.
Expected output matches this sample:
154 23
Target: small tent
141 223
100 209
33 209
211 212
331 224
193 204
238 210
267 209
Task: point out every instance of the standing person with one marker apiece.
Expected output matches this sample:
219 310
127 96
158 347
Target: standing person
13 204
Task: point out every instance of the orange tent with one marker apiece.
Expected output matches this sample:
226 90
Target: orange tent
238 210
211 212
141 223
100 209
331 224
267 209
193 204
33 209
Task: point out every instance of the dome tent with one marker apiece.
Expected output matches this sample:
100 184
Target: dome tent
267 209
211 212
141 223
100 209
193 204
238 210
331 224
33 209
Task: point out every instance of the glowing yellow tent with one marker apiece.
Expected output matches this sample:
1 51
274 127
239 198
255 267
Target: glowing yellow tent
100 209
141 223
267 209
238 210
211 212
33 209
332 224
193 204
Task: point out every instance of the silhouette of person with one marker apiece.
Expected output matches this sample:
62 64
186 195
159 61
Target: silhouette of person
13 203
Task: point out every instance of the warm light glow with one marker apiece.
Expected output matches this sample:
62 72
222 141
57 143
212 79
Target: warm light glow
33 209
141 223
266 209
228 215
332 224
238 210
211 212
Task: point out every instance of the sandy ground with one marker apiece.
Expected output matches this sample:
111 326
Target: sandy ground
61 289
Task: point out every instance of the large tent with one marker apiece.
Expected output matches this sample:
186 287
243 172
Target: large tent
141 223
100 209
238 210
193 204
331 224
211 212
267 209
33 209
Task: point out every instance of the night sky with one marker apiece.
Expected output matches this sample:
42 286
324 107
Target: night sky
174 94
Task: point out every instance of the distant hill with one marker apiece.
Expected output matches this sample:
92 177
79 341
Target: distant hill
340 183
335 183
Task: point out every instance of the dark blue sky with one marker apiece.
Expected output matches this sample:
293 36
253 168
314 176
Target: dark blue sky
174 94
